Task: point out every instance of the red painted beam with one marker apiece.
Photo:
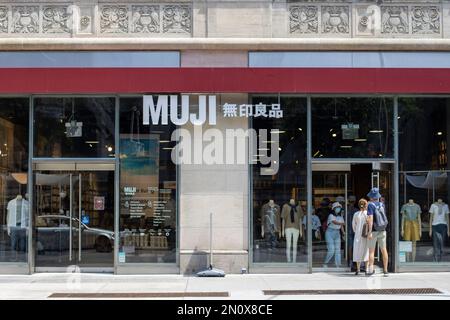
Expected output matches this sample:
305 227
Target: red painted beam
215 80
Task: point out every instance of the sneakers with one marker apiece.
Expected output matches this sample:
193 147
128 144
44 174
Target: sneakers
386 274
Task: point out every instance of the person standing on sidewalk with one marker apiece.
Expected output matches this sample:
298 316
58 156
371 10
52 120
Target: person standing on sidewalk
360 248
335 224
378 222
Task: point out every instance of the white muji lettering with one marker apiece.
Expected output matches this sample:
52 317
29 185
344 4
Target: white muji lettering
179 115
149 110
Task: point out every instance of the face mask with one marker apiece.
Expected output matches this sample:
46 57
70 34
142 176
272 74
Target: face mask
337 210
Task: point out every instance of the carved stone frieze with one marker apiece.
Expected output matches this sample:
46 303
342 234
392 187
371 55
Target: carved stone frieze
177 19
114 19
425 19
335 19
3 19
394 20
303 19
25 19
56 19
145 19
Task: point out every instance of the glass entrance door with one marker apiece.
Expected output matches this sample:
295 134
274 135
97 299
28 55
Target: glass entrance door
328 221
73 219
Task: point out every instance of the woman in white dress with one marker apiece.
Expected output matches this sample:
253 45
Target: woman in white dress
360 247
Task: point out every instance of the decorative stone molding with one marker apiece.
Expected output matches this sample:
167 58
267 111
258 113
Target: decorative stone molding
304 19
3 19
394 19
113 19
145 19
56 19
335 19
25 19
359 19
426 19
177 19
140 19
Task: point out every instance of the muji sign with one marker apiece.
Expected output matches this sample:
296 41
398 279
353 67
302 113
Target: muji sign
180 113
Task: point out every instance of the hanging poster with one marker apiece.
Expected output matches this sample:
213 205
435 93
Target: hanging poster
139 180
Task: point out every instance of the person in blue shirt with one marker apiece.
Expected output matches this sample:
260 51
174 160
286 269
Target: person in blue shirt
375 236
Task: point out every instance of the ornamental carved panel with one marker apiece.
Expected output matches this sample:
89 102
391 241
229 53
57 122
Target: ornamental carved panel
114 19
335 19
145 19
394 20
425 19
3 19
303 19
56 19
177 19
25 19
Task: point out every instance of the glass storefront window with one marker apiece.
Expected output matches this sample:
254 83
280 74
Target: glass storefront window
148 193
424 183
352 127
279 201
14 206
74 127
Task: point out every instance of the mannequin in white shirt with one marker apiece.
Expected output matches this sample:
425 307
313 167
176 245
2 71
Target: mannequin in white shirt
439 224
17 222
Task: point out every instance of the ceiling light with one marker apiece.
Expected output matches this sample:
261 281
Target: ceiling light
334 135
361 140
277 131
91 142
300 129
164 141
376 131
346 147
110 149
439 133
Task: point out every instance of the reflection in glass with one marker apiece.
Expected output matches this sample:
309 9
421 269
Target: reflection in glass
57 218
147 188
14 207
352 127
74 127
424 183
279 201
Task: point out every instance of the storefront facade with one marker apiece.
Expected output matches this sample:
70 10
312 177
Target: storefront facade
126 125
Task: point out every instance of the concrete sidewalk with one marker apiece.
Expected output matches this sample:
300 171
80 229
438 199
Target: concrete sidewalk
247 286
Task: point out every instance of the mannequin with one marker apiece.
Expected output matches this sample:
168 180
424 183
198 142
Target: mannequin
440 224
411 225
17 223
270 223
291 228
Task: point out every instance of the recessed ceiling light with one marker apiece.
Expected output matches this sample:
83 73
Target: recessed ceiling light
439 133
334 135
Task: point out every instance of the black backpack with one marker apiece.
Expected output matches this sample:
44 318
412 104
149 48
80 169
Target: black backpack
380 220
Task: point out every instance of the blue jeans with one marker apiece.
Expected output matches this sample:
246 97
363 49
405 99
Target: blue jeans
439 235
18 239
333 238
271 240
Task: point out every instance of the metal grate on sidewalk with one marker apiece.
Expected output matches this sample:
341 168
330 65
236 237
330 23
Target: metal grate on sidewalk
129 295
404 291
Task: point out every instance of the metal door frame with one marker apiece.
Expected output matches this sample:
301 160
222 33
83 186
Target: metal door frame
392 188
71 166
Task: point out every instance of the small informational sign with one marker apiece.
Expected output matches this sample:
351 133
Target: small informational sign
99 203
122 257
350 131
402 256
405 246
85 219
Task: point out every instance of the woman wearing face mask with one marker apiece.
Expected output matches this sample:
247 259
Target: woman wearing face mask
335 224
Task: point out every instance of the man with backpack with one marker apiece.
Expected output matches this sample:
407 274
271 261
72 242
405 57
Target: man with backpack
378 222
